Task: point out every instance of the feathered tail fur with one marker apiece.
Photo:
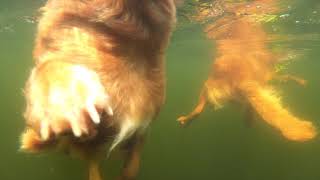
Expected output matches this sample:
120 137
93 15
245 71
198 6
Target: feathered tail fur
268 105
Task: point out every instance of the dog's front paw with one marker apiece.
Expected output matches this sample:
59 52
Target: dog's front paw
183 120
68 99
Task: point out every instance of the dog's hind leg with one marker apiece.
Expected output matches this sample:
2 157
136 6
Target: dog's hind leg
132 152
197 110
285 78
94 170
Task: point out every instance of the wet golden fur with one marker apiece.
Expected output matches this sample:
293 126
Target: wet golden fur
242 71
119 44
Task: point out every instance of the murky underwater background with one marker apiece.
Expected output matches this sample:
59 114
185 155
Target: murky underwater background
218 145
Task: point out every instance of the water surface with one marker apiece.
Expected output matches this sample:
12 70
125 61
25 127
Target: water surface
218 145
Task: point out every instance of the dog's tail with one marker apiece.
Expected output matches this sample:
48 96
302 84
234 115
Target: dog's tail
269 107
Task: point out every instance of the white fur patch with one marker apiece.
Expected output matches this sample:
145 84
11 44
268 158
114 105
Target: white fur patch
128 128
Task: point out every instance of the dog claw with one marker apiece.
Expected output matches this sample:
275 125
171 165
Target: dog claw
94 115
72 105
109 110
44 130
75 125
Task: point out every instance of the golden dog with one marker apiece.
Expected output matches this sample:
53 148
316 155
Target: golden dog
99 77
243 69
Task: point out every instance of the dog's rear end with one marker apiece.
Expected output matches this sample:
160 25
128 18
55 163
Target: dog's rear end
99 77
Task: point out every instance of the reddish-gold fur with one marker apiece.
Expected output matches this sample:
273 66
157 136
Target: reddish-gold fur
122 42
242 71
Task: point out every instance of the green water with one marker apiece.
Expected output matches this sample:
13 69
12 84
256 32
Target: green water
218 145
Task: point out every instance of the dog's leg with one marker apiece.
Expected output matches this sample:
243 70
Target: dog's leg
94 170
197 110
132 158
285 78
250 115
